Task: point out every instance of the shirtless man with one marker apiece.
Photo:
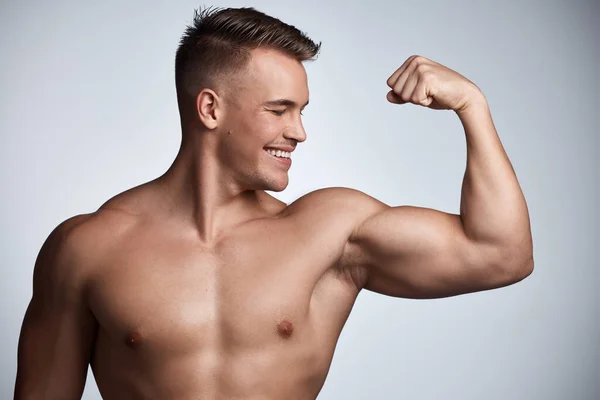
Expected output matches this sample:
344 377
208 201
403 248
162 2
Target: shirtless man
199 285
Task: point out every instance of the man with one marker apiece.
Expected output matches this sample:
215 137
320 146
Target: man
199 284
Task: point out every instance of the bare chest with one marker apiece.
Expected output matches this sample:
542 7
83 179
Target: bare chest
252 291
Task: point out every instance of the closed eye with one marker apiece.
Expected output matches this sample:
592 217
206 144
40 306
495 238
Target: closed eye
279 113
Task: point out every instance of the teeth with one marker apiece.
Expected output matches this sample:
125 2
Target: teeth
279 153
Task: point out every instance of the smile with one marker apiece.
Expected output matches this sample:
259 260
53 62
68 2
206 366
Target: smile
282 159
279 153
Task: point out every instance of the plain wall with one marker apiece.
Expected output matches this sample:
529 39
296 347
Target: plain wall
88 110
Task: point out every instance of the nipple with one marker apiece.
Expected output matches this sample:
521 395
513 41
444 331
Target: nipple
285 328
133 339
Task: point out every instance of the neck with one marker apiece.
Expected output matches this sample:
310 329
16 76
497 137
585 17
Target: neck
201 191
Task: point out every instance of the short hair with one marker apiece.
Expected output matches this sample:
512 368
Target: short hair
218 43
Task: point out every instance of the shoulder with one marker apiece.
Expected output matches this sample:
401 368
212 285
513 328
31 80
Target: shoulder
85 232
345 202
339 212
338 195
75 247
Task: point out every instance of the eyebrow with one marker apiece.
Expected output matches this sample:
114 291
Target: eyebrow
284 102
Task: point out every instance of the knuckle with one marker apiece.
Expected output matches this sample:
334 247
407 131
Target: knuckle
412 60
418 59
427 75
422 68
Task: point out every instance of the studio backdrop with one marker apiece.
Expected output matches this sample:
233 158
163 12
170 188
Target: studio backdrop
88 110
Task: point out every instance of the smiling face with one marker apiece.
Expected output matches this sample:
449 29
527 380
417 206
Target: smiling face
263 111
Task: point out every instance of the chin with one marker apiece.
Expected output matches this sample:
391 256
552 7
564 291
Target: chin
277 189
277 184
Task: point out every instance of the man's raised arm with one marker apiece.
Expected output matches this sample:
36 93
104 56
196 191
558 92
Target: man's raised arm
58 330
424 253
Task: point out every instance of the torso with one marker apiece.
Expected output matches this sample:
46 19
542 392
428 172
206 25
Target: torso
256 315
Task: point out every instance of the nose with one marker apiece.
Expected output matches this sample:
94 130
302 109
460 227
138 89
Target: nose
296 132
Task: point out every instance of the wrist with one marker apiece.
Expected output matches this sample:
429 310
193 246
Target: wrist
474 107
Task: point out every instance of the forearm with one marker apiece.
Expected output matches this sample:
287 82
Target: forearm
493 207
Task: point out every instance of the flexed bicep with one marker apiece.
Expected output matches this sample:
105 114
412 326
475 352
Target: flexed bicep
417 252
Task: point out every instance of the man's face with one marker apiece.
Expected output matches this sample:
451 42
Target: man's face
263 111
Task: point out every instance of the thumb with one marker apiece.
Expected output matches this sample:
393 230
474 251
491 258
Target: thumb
394 98
426 101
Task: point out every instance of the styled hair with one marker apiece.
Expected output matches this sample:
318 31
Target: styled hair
217 46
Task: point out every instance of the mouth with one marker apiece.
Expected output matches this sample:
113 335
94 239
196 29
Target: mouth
282 161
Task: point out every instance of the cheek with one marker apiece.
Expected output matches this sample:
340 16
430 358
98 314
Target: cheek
248 136
241 148
263 131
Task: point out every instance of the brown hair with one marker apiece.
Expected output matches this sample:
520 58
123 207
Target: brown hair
217 46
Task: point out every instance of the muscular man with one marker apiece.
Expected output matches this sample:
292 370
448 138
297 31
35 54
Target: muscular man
200 285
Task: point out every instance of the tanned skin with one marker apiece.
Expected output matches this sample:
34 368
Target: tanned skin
200 285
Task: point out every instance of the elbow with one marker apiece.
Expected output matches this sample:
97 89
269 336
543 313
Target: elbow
511 264
524 269
517 268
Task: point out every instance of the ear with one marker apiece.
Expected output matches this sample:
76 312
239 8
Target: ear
208 107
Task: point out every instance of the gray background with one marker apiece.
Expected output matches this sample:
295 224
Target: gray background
88 110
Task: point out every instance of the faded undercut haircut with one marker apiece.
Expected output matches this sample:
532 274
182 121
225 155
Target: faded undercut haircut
217 46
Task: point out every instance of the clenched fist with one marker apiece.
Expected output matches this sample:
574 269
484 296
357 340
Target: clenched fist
424 82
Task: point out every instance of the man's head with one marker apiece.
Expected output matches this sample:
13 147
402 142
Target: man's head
241 84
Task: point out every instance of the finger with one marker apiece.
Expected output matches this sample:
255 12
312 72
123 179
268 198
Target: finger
409 87
421 94
402 79
391 82
392 79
